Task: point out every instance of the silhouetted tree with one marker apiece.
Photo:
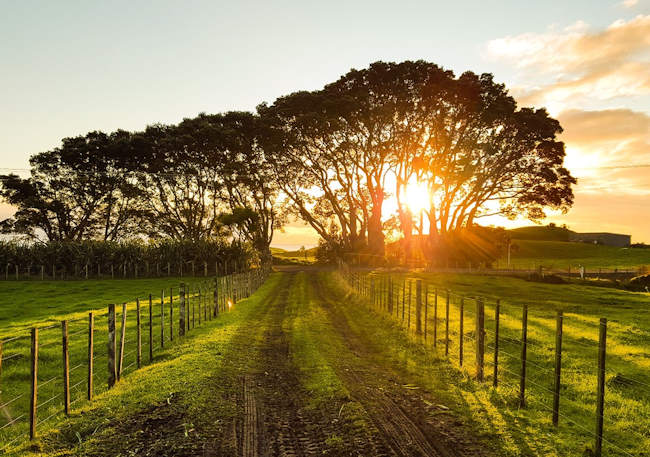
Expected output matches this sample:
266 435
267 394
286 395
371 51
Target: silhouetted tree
77 191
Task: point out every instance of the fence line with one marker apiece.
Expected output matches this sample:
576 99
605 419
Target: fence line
124 327
121 270
384 293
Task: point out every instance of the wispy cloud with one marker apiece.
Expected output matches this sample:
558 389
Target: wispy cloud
607 149
561 68
629 3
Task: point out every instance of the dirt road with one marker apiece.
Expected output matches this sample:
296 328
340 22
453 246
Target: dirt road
276 419
299 375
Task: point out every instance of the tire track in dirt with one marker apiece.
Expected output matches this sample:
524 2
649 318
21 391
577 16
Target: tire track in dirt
406 426
275 422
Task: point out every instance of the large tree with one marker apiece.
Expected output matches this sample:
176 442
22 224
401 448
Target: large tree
491 158
175 168
314 167
336 149
74 192
249 187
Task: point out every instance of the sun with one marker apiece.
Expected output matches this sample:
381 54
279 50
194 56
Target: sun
417 197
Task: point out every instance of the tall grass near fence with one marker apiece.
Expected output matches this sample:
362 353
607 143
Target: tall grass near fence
532 374
74 360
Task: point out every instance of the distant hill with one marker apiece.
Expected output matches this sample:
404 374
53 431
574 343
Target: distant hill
541 233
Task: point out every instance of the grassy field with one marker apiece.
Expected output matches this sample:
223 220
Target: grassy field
71 300
304 342
561 255
24 304
308 256
627 406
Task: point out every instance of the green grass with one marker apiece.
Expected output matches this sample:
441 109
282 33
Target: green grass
628 366
562 255
312 339
24 304
182 377
71 300
197 377
306 257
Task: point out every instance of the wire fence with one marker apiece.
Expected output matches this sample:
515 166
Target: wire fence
121 270
561 369
46 371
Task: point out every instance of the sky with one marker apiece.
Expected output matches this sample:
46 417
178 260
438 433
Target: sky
69 67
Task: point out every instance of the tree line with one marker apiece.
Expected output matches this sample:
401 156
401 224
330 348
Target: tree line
331 157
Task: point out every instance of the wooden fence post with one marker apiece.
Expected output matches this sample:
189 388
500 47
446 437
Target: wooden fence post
447 325
600 400
171 314
199 306
215 311
66 367
524 347
42 273
122 341
497 313
462 330
205 268
138 337
162 317
193 314
33 401
403 299
435 318
91 355
112 346
426 310
480 338
181 310
151 327
418 307
408 321
558 367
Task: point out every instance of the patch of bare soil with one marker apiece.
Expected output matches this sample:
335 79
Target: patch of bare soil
158 430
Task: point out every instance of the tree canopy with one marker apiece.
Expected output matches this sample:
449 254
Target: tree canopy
333 157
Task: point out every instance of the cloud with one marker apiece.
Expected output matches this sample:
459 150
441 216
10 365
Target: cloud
563 67
608 150
629 3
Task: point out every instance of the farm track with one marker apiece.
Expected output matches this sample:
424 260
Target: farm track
276 422
257 405
407 427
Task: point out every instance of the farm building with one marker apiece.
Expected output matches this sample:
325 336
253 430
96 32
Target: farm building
606 239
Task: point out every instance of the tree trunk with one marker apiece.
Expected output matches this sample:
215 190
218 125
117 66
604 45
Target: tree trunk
376 235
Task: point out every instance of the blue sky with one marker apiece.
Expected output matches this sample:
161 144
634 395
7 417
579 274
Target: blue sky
69 67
